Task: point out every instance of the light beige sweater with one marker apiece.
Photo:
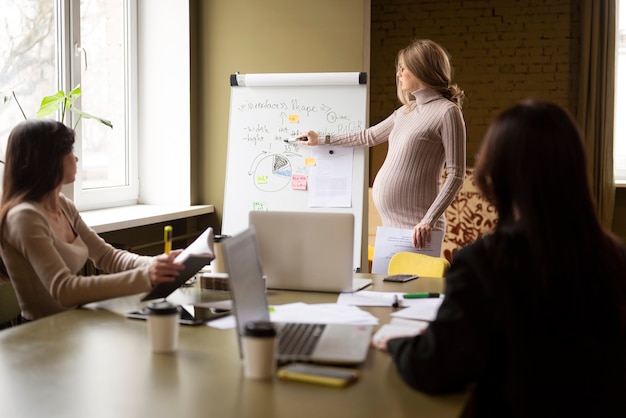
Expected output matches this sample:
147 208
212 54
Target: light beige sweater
421 140
43 267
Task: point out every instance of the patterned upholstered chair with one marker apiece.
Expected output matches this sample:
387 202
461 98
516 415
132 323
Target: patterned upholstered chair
468 218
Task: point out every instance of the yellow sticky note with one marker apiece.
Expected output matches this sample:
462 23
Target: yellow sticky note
293 118
309 161
260 179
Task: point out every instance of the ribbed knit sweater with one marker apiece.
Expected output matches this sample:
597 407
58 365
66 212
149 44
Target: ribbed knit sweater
42 266
407 189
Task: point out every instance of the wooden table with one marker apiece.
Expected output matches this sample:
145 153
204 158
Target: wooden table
96 363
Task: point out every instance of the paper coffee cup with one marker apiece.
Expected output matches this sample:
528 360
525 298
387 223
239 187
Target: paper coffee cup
259 345
218 265
163 326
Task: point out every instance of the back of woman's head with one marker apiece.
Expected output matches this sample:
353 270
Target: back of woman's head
430 63
532 166
550 249
532 163
34 158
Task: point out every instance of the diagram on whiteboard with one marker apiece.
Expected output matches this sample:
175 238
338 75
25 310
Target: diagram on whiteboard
272 172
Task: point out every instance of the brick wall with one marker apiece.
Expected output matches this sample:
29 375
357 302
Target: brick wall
502 51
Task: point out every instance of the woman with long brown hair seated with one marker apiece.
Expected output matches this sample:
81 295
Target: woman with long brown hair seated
44 242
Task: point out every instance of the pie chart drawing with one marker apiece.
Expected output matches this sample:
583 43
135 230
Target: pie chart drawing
275 171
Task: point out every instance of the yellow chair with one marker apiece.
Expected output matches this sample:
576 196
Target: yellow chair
370 253
419 264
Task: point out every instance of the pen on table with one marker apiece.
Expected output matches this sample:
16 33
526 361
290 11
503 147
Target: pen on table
421 295
167 239
395 303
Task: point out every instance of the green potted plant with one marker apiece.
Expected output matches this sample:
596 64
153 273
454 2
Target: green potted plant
60 101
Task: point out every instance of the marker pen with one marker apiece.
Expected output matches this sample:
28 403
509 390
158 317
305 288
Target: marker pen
421 295
167 239
296 140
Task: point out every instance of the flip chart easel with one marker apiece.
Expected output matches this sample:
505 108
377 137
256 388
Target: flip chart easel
263 172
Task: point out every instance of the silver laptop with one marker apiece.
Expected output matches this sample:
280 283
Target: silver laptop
327 343
307 250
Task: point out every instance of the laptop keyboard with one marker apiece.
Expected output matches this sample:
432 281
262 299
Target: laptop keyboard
299 339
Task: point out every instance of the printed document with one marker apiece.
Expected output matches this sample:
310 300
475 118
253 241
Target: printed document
394 240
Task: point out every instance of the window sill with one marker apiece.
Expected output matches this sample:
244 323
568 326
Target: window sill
114 219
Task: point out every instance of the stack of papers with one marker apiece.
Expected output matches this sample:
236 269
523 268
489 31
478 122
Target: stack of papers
321 313
407 322
423 309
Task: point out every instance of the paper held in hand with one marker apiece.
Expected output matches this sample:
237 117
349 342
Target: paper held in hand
197 255
393 240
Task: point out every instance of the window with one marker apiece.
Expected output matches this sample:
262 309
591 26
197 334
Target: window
619 141
56 45
124 53
27 58
102 66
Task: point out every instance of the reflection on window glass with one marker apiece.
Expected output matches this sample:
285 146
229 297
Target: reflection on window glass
102 82
27 59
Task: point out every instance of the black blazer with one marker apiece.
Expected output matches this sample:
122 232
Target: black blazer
523 354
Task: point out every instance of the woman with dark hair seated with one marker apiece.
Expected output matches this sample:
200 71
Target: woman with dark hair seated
534 315
44 242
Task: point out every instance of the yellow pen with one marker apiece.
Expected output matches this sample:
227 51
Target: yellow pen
167 238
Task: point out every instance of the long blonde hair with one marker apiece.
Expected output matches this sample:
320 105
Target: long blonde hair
430 63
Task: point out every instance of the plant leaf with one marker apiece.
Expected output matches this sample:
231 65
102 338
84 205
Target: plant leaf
50 104
75 92
90 116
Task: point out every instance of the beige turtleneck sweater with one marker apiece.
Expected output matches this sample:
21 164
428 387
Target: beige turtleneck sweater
421 140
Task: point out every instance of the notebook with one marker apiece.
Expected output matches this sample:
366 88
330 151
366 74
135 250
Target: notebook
330 343
197 255
307 250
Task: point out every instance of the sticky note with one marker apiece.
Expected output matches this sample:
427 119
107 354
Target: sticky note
293 118
309 161
261 206
261 179
298 182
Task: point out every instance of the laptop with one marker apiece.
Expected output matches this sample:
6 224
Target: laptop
307 250
326 343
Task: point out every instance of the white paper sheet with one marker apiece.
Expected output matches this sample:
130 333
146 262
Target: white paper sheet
399 327
393 240
331 177
373 298
299 312
422 309
368 298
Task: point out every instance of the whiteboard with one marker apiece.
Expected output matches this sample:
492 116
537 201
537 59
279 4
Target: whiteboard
263 172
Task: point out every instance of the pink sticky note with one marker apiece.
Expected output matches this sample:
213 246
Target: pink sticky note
298 182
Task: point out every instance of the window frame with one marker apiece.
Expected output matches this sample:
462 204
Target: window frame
161 99
69 62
